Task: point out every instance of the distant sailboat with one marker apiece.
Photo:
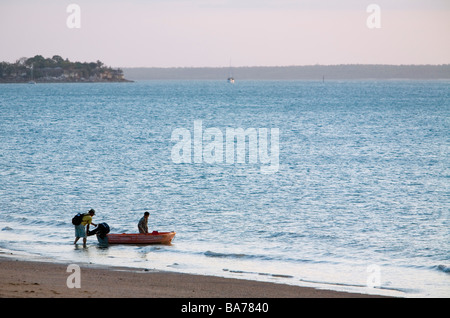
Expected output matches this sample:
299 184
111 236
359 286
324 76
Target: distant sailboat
32 80
230 77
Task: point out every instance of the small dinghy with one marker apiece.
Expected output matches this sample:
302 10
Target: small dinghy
137 238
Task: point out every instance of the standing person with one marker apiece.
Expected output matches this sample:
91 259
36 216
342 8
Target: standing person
142 225
81 230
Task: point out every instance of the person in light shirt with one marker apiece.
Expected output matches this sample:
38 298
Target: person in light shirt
83 227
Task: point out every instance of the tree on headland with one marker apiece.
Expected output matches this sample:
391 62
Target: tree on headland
58 60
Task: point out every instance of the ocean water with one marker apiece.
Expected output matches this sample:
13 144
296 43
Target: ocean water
359 199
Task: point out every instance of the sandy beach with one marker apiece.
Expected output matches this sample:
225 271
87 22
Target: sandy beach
34 279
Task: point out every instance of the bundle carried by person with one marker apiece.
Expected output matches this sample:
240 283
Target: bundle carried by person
101 230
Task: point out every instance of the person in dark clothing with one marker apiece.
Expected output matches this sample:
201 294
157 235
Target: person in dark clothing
143 223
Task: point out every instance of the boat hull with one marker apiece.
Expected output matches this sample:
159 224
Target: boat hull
138 238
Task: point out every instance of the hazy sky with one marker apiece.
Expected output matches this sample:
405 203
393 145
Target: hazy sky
166 33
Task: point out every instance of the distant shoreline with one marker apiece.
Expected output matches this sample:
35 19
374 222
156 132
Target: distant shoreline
307 72
65 81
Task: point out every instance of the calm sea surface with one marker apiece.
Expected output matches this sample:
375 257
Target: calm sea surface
360 197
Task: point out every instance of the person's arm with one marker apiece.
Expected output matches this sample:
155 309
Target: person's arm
90 222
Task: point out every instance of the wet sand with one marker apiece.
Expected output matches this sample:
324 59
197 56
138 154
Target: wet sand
34 279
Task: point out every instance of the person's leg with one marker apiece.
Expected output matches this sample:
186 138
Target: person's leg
80 232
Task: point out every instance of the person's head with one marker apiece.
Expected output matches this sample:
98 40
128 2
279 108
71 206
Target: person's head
91 212
146 214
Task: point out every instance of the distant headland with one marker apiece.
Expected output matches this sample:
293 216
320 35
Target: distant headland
38 69
305 72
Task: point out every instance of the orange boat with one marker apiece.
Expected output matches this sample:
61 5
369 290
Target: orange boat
137 238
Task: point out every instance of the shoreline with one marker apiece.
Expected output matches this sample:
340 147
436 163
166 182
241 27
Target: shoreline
22 278
63 82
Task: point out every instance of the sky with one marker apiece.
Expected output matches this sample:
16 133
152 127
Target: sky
217 33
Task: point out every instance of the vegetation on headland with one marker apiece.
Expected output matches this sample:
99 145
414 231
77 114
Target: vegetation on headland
57 69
